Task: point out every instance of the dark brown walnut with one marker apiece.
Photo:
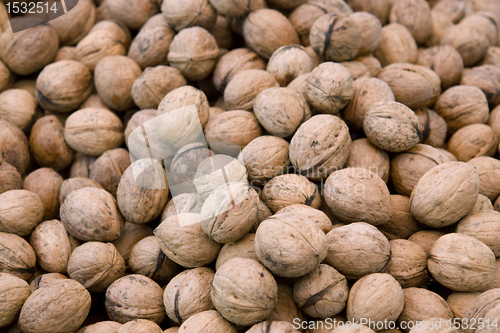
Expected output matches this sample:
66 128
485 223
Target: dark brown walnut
371 31
244 291
290 245
422 80
349 247
445 61
13 293
438 206
233 62
230 129
143 191
336 37
372 63
28 51
288 62
10 178
461 106
290 189
188 294
6 77
18 107
151 44
108 169
183 240
147 259
114 77
241 91
482 226
492 56
266 30
422 304
132 13
140 326
456 10
243 248
53 246
379 8
182 203
194 52
486 78
91 214
222 32
59 307
45 182
470 43
73 27
281 111
363 154
322 293
415 15
65 53
154 83
408 167
329 88
473 141
489 175
131 235
273 327
182 15
403 224
434 127
266 157
484 22
16 256
229 212
135 297
459 302
92 131
408 263
101 327
14 146
73 184
376 297
484 307
320 146
357 69
47 144
396 45
184 165
367 91
20 212
209 321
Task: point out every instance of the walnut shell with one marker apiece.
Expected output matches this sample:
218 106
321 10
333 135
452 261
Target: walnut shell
266 157
20 212
415 15
190 285
329 88
182 15
379 8
440 23
336 37
139 326
235 8
108 169
143 191
184 166
13 293
131 235
461 263
17 257
135 297
208 321
132 13
459 302
45 182
14 146
408 263
364 154
357 194
285 309
91 214
243 248
66 53
408 167
6 77
321 220
59 307
72 184
93 101
290 189
92 131
10 179
434 127
290 245
422 304
53 246
357 69
371 63
182 239
486 78
101 327
288 62
445 61
154 83
194 52
266 30
484 22
482 226
482 204
273 327
222 32
456 10
182 203
377 297
371 31
243 291
322 293
470 43
350 245
320 146
403 224
488 169
63 86
22 55
495 283
47 144
426 238
492 56
483 308
18 107
472 141
396 46
73 27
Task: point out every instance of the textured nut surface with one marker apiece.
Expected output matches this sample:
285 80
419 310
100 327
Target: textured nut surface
73 184
14 146
459 302
488 169
422 304
482 226
470 43
16 256
140 326
290 189
487 78
289 62
408 263
396 45
131 235
273 327
18 107
484 306
13 293
20 212
371 31
181 15
45 182
434 127
473 141
426 238
101 327
244 291
321 220
364 154
445 61
403 224
10 178
208 321
108 168
415 15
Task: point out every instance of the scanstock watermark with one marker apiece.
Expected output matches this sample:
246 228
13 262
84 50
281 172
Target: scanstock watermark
27 14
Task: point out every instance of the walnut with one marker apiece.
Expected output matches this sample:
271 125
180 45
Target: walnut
18 107
403 224
289 189
445 61
131 235
73 27
372 63
101 327
486 78
72 184
222 33
20 212
408 263
132 13
456 10
483 22
371 31
459 302
321 220
46 183
288 62
470 43
140 326
396 45
182 203
273 327
181 15
482 226
379 8
14 292
434 127
473 141
426 238
364 154
422 304
207 320
14 146
414 15
10 179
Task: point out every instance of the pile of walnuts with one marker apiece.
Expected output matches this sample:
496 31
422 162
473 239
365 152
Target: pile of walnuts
231 166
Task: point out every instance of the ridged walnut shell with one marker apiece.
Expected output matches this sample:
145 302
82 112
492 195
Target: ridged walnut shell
408 263
472 141
290 189
364 154
403 224
20 212
414 15
289 62
483 226
14 146
483 308
209 321
17 257
18 107
108 168
489 175
13 293
45 182
397 45
140 326
422 304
